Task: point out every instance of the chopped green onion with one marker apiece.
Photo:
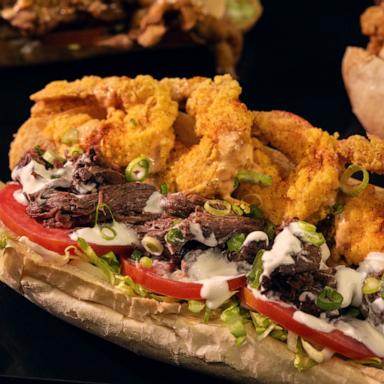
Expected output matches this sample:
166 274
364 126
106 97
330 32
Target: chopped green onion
112 261
302 361
138 169
218 207
254 178
234 321
75 151
3 241
133 122
164 189
270 229
354 190
152 245
337 209
257 270
70 137
174 236
102 207
95 260
146 262
237 210
49 157
310 235
236 183
329 299
195 306
235 242
255 212
371 285
136 255
108 232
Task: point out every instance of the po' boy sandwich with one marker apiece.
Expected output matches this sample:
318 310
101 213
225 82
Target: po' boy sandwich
168 218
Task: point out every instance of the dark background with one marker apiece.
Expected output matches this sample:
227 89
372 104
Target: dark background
291 61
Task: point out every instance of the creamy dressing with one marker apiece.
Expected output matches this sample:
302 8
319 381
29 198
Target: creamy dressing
34 176
349 284
325 254
20 197
215 290
372 264
256 236
284 246
125 235
153 204
211 263
198 235
313 322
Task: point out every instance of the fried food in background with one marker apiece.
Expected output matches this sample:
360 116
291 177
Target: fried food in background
363 72
199 137
35 31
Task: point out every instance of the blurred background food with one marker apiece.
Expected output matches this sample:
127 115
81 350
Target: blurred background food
363 72
35 31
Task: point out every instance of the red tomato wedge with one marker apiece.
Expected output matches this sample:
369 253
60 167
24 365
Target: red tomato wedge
335 340
14 216
149 279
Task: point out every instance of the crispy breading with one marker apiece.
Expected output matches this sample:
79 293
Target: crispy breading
124 117
366 153
360 228
223 125
312 185
372 25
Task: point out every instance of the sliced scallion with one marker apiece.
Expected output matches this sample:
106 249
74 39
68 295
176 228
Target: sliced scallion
70 137
354 190
49 157
254 177
136 255
152 245
107 232
256 212
238 210
218 207
257 270
371 285
138 169
146 262
164 189
329 299
235 243
174 236
310 235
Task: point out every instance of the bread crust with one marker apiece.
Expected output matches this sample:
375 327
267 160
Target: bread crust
160 330
363 75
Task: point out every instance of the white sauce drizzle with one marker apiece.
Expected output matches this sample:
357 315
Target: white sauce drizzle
20 197
153 204
313 322
215 291
211 263
349 285
285 244
373 263
256 236
125 235
34 176
197 232
325 254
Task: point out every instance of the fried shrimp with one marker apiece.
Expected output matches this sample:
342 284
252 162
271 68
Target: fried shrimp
123 117
305 191
366 153
360 228
223 126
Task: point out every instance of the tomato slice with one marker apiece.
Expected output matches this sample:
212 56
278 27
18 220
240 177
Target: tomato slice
283 315
14 216
149 279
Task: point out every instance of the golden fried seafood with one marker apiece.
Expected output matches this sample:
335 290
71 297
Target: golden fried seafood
124 117
311 187
223 125
360 228
366 153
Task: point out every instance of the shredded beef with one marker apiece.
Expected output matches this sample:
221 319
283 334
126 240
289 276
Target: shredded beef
67 210
181 204
248 252
290 281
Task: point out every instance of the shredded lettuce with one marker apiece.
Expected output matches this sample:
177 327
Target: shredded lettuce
195 306
3 241
375 362
235 322
302 361
264 327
